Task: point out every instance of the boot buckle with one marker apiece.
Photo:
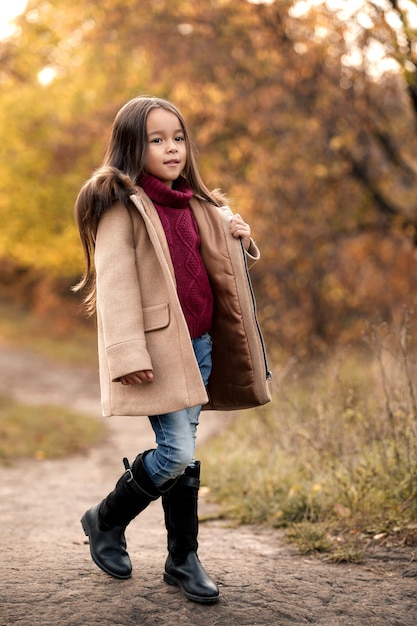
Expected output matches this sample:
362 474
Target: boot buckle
128 470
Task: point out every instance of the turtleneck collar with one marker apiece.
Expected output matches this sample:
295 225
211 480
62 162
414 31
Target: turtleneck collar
176 198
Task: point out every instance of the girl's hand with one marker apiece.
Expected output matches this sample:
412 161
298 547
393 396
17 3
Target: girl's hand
239 228
137 378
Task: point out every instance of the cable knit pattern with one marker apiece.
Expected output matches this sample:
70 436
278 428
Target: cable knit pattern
193 287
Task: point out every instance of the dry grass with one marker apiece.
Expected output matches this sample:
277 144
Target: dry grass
44 432
333 458
47 335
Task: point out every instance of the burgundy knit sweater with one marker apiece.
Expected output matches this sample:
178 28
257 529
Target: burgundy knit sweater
193 287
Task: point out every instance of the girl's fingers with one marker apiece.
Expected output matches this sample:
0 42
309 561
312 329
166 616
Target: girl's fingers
137 378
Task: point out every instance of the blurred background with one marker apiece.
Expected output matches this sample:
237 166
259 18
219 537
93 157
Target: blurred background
304 113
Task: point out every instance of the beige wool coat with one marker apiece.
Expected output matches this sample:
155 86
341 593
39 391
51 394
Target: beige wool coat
141 325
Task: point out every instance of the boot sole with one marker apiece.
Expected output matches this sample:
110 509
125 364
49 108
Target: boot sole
171 580
86 529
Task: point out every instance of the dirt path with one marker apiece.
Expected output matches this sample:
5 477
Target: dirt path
48 579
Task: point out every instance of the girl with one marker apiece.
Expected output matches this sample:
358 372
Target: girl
167 276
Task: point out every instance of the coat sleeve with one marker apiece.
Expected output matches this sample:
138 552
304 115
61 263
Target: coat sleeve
253 254
119 302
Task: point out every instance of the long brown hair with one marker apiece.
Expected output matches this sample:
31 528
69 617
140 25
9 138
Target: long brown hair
116 179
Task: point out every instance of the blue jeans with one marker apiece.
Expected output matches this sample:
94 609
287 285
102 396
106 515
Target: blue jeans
175 433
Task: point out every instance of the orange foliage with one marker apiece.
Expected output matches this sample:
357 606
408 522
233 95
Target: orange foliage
317 154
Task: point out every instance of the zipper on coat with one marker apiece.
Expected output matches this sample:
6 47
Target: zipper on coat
268 372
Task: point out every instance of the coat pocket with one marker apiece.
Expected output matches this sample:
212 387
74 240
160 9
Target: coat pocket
156 317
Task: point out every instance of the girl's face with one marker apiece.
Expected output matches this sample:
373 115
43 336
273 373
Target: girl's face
166 151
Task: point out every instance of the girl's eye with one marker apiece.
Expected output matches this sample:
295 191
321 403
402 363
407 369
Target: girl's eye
159 139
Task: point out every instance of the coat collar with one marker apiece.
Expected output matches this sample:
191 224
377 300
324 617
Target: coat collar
150 216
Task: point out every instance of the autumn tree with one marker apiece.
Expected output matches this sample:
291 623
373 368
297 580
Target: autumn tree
312 139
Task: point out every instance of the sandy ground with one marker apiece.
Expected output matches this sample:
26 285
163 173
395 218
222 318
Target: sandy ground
47 577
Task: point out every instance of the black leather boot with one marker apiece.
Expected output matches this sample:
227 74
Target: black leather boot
107 548
105 523
183 567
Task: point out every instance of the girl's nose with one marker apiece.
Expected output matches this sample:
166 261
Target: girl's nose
171 146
